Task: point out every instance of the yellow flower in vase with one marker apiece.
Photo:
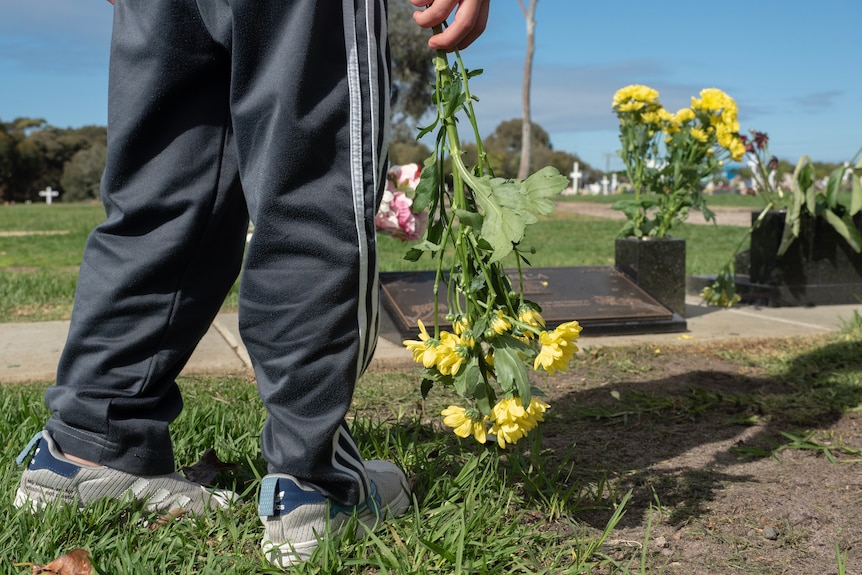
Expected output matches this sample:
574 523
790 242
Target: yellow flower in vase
465 422
635 93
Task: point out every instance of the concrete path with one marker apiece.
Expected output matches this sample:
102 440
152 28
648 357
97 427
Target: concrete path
30 351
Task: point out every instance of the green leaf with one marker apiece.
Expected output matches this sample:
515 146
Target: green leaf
470 376
428 186
435 376
468 218
846 228
540 186
453 99
833 187
477 283
511 372
856 194
508 206
426 386
484 396
708 214
413 255
788 235
803 191
503 224
427 129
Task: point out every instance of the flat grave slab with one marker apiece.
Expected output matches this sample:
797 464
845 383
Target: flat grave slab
601 298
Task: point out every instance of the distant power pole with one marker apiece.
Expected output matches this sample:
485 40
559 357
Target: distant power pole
608 157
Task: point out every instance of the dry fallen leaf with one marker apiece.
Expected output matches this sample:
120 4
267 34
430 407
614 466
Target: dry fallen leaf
75 562
170 516
207 468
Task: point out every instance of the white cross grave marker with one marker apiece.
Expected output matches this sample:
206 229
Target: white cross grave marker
576 178
605 183
49 195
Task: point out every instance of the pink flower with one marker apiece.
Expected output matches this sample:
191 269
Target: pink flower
395 216
406 175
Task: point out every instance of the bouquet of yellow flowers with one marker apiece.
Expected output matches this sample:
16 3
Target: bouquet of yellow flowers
475 222
667 155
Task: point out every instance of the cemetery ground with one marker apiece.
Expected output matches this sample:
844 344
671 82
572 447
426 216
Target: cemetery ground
735 456
711 459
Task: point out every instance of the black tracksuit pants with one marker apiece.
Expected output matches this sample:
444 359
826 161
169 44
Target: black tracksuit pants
221 110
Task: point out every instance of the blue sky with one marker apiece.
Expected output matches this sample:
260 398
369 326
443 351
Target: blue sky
793 67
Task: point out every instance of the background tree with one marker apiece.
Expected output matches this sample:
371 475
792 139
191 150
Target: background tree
412 70
82 175
527 125
33 155
503 147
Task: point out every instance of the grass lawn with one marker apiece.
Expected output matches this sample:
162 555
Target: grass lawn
38 272
650 461
612 475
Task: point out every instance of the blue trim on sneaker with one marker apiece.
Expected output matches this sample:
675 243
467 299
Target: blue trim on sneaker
44 459
280 495
26 451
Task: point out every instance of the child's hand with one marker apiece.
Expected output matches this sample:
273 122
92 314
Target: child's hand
468 24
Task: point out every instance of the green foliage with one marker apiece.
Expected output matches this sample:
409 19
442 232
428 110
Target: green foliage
474 512
33 155
412 70
503 149
82 174
806 199
475 222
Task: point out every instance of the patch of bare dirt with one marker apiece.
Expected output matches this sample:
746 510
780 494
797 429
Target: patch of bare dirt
702 438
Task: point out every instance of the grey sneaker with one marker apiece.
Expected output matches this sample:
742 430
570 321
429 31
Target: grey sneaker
50 476
295 516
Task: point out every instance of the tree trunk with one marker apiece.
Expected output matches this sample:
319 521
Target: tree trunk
526 121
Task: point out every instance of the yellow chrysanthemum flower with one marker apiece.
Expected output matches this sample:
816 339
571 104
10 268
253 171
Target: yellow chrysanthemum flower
670 124
465 422
425 350
467 339
451 355
460 325
684 115
489 359
725 136
511 421
532 318
571 330
500 324
711 100
699 134
558 347
651 118
630 106
635 92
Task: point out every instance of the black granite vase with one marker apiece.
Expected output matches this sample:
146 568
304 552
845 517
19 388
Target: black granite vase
657 266
819 267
